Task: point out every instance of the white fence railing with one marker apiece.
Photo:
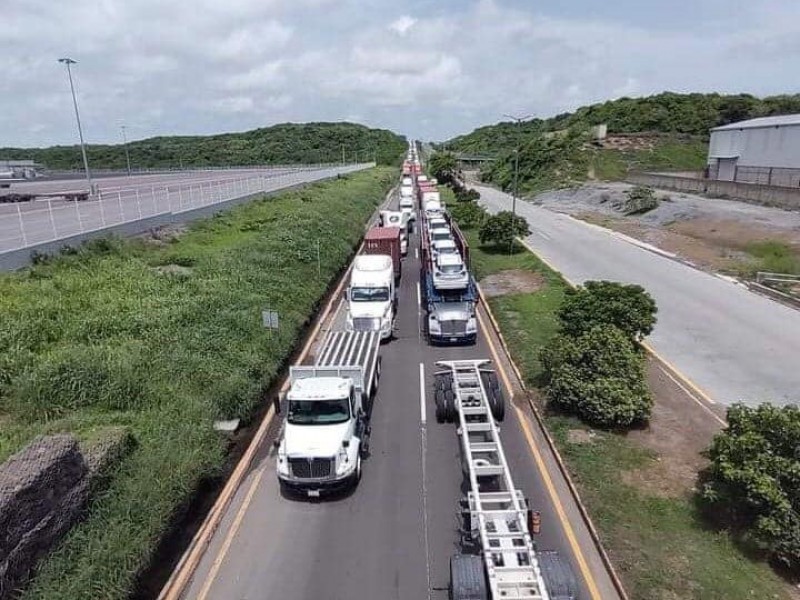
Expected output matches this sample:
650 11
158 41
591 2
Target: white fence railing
31 223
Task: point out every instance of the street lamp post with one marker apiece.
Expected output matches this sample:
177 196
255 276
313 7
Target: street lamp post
69 62
125 145
519 121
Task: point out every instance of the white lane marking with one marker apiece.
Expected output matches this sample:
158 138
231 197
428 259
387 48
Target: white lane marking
422 392
423 447
419 298
416 253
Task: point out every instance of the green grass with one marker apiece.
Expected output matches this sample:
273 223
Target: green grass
659 545
613 165
774 256
102 338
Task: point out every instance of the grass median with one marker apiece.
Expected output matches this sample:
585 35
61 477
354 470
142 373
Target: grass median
659 545
163 335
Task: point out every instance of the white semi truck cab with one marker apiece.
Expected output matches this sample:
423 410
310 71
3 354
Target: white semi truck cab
371 295
326 429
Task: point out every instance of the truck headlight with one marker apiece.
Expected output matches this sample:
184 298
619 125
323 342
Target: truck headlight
472 325
434 326
283 462
343 462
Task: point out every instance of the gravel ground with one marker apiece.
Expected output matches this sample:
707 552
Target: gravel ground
675 207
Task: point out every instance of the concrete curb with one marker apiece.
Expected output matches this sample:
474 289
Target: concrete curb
559 461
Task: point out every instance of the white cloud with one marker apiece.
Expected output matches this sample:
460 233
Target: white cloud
402 25
202 66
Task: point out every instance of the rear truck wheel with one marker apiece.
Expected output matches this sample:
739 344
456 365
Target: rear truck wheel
441 415
444 382
497 404
467 578
450 405
490 380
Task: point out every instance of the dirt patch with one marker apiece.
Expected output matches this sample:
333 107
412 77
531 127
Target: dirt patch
514 281
679 431
580 436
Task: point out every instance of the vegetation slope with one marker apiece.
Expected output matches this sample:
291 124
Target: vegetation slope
557 151
284 143
162 337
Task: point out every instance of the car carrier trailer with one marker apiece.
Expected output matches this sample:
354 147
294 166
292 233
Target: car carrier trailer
498 558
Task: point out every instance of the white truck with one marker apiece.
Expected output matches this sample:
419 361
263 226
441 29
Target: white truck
372 295
498 557
326 430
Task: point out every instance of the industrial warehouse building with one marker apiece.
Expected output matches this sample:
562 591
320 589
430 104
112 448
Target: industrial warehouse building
764 151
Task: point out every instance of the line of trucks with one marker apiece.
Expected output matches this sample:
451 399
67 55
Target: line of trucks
329 403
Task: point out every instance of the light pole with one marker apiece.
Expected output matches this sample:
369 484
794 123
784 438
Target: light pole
69 62
125 145
519 121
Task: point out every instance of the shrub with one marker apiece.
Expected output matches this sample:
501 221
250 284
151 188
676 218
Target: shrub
501 229
598 375
468 215
753 481
640 200
628 307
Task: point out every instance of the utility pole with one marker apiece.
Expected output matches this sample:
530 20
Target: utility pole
125 145
519 121
69 62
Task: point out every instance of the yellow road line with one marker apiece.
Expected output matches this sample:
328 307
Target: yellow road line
548 482
237 523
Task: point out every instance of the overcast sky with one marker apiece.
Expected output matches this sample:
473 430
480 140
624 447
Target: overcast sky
425 68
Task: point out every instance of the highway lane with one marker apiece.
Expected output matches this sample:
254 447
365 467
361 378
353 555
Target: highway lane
734 344
394 535
124 200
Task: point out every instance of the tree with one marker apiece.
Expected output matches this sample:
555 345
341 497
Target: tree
599 376
628 307
753 480
501 229
443 166
468 215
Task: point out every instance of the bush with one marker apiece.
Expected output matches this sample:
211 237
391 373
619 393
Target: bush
753 481
628 307
468 215
598 375
640 200
501 229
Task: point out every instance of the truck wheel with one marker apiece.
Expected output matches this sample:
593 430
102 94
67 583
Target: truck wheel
497 404
450 406
557 574
441 414
467 578
490 380
444 382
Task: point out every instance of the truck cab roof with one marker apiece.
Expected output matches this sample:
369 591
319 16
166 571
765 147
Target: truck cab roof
320 388
372 263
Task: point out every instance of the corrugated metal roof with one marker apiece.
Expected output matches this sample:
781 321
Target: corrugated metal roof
778 121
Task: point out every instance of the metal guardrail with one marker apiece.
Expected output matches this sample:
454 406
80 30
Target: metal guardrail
51 219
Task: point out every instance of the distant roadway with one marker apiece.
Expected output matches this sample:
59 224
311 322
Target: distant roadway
732 343
126 199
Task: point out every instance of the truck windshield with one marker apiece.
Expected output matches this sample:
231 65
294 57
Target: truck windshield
318 412
440 234
359 294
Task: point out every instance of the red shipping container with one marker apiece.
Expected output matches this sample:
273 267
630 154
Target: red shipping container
384 240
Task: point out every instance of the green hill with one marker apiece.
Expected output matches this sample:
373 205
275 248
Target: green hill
284 143
665 131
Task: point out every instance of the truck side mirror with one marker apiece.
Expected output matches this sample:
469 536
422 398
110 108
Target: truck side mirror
347 295
276 444
345 443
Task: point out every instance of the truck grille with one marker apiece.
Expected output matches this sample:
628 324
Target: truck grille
311 468
366 324
454 327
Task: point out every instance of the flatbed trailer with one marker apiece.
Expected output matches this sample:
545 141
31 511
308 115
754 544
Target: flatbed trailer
501 560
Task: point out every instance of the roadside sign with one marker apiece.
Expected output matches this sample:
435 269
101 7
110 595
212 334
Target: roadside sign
269 318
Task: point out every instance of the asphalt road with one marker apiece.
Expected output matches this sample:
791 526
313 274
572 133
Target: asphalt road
391 538
126 199
735 345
